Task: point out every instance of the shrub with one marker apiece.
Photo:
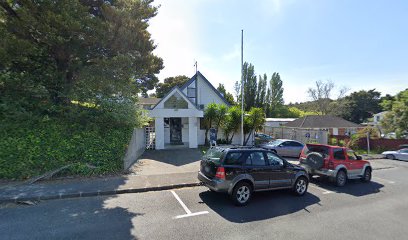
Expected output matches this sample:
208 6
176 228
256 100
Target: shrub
32 148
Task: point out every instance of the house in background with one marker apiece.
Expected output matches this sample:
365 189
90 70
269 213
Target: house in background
178 116
148 103
335 125
277 122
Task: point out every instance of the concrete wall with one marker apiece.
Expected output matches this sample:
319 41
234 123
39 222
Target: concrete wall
135 148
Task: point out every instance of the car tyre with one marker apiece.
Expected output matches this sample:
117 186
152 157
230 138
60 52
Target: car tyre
341 178
242 193
390 156
367 175
300 186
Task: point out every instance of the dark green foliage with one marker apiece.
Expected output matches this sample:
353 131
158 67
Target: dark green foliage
228 96
361 105
32 148
70 72
396 120
163 88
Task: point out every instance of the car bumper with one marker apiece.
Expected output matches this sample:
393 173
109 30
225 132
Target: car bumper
321 172
216 185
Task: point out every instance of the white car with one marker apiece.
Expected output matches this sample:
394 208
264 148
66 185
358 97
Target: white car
401 154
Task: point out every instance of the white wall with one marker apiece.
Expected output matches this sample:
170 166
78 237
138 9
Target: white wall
159 130
184 130
206 94
136 147
166 135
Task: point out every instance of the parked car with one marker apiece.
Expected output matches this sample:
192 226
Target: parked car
401 154
284 147
240 171
337 163
263 137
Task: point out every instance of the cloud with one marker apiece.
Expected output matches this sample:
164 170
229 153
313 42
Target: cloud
175 32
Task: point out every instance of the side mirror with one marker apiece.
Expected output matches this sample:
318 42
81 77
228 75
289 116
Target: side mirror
359 158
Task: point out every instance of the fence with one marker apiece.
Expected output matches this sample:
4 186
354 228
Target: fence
300 134
136 148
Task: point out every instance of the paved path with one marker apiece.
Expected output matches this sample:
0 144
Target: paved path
154 162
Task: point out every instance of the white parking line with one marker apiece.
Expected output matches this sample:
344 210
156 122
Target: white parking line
188 212
384 180
324 191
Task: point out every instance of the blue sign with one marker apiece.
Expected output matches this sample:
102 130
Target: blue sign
307 135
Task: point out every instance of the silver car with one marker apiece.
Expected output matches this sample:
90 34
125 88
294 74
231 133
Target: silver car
401 154
284 147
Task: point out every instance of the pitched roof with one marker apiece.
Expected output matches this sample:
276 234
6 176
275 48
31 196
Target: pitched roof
209 84
321 121
148 101
175 88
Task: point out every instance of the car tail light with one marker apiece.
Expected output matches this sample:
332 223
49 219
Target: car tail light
220 173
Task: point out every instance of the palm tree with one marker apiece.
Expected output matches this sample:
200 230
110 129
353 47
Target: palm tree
253 122
232 122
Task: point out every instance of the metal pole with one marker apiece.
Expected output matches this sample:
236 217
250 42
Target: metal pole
368 142
242 87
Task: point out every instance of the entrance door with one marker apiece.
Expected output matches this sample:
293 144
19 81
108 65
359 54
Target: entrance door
175 131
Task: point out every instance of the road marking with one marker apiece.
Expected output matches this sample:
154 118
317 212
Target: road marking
324 191
188 212
385 180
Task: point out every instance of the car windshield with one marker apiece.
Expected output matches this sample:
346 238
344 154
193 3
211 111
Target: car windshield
214 154
275 142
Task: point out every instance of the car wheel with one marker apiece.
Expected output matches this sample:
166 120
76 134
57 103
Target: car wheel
367 175
242 193
341 178
390 156
300 187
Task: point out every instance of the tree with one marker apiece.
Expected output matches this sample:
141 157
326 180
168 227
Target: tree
396 120
361 105
261 92
250 86
163 88
322 94
214 116
237 91
253 121
228 96
83 50
275 95
232 122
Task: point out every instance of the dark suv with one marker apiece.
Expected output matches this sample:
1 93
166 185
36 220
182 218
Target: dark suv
239 171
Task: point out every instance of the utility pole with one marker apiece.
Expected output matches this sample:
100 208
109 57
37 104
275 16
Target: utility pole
242 87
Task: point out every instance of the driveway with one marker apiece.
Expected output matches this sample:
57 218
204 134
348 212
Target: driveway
154 162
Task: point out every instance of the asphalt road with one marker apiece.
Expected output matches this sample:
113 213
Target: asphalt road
375 210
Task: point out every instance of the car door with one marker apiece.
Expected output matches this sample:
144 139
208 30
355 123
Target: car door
256 166
279 176
282 149
403 154
354 166
339 158
294 149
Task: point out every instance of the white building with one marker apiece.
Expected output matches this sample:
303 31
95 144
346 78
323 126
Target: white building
277 122
178 115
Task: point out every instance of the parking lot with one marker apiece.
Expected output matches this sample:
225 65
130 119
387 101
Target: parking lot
375 210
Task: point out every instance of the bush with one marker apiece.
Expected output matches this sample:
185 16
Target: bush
32 147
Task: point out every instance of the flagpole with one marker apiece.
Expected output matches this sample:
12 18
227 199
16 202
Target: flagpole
242 87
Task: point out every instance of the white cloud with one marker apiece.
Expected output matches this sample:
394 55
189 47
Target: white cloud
175 32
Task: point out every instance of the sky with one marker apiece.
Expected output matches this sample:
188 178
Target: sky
360 45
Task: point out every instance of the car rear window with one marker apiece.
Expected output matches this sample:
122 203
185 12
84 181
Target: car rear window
314 148
214 154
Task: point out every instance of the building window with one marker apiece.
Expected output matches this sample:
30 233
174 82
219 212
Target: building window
176 102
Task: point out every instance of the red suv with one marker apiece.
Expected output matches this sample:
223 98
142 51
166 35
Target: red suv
337 163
